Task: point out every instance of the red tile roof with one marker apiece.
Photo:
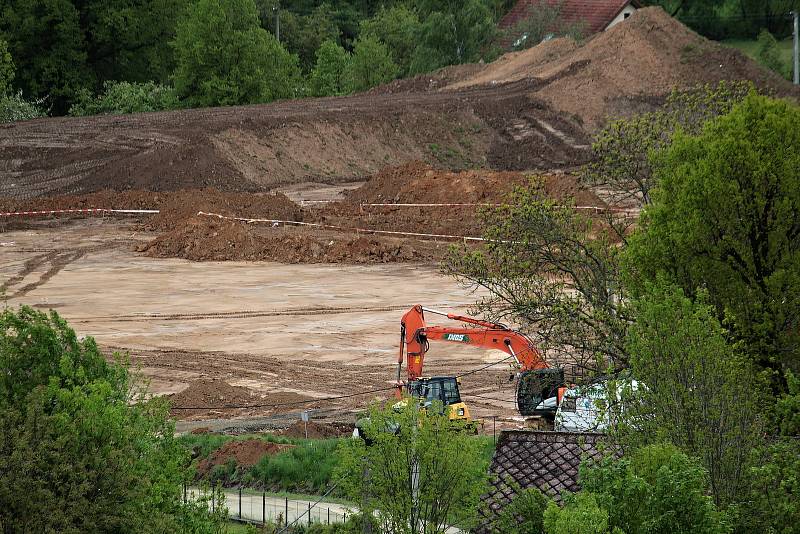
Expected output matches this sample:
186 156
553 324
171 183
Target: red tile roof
597 14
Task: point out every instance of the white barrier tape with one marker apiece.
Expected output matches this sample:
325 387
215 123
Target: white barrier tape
342 228
440 205
83 210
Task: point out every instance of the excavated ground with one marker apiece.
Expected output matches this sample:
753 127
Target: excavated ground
179 232
257 333
529 110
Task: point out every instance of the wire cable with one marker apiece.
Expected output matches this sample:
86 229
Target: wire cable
324 399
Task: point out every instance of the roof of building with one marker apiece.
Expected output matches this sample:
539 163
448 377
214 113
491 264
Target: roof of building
545 460
597 14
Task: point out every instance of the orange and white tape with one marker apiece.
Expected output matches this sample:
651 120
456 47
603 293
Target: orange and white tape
342 228
598 209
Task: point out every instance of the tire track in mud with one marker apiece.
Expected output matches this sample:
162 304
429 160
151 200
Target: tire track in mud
248 314
57 259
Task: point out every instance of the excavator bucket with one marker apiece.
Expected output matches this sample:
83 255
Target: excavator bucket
536 386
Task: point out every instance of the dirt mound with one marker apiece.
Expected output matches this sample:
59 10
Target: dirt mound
246 453
101 199
638 60
213 394
417 182
515 66
183 205
210 239
317 430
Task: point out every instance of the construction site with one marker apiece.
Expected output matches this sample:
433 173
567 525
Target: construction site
254 262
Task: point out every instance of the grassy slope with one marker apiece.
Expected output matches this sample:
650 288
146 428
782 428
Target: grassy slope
306 469
750 47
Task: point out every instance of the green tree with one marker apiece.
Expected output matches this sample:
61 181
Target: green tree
698 392
130 41
396 27
623 149
303 35
452 32
370 65
82 450
328 78
6 69
542 19
554 272
49 50
451 471
125 97
654 490
225 58
724 218
768 53
773 501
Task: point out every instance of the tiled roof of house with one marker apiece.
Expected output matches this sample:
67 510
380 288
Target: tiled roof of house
545 460
597 14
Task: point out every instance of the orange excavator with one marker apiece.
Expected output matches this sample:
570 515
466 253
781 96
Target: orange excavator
538 387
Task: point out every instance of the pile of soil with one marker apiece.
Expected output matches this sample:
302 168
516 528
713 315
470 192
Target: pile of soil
318 430
210 239
180 206
246 453
417 182
633 64
108 199
213 394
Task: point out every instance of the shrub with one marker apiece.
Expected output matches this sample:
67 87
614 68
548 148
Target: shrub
15 108
126 97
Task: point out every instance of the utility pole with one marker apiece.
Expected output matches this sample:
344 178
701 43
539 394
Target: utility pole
277 10
796 17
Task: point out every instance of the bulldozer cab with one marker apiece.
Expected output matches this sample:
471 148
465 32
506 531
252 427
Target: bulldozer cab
438 388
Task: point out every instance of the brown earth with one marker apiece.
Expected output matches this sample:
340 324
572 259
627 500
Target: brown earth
246 453
256 148
531 110
210 394
206 238
317 430
627 68
417 182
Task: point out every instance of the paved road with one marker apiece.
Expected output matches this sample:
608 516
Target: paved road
257 507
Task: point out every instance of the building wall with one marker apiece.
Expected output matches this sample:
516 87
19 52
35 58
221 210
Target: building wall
625 13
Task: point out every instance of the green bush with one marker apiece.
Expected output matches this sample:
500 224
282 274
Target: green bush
125 97
580 515
15 108
524 515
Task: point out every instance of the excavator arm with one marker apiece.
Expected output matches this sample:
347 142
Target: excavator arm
415 337
537 381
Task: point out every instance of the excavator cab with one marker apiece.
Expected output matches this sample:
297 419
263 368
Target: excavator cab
443 389
539 392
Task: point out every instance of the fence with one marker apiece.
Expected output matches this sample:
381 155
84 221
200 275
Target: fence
251 506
